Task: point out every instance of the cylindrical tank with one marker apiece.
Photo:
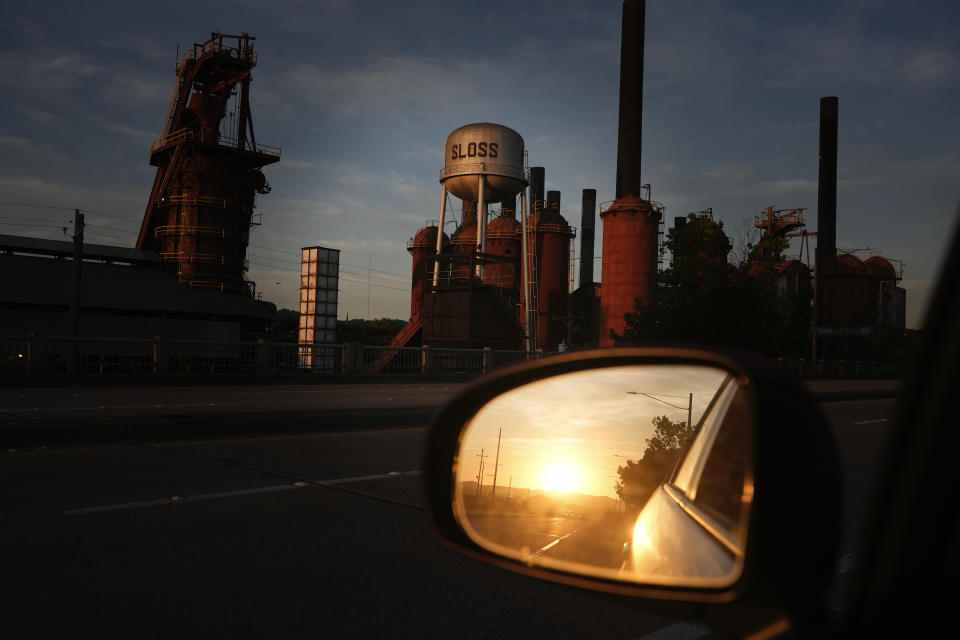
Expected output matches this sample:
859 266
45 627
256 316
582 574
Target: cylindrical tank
503 241
550 234
423 247
483 148
880 268
464 239
629 264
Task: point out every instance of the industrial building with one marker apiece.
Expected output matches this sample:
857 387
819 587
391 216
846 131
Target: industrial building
506 283
185 277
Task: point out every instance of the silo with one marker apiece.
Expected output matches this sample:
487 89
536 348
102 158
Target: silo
423 247
550 234
503 247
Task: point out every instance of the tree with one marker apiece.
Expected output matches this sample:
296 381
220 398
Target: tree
638 479
701 298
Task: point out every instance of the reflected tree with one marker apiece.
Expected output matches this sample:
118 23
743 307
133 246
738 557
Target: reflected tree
639 478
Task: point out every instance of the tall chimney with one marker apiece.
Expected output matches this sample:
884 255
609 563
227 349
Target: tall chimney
827 186
630 224
587 227
553 200
537 179
631 98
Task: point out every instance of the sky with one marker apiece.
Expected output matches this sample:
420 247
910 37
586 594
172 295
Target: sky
605 419
360 96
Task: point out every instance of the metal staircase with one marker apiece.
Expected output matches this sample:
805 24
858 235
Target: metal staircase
402 338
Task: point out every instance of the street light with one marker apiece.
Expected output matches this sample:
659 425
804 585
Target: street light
652 396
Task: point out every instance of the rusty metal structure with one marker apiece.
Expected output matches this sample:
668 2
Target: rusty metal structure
200 211
423 249
549 237
631 223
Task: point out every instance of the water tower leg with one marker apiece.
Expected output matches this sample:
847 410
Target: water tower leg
481 228
526 268
443 210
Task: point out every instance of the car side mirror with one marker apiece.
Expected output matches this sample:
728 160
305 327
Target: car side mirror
672 474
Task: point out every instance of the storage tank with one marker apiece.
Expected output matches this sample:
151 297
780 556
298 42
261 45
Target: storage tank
503 241
629 264
423 247
492 151
483 162
464 239
550 234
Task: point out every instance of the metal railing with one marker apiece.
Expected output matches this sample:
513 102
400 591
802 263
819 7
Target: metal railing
488 168
46 355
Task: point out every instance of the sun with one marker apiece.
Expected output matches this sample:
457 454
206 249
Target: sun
561 477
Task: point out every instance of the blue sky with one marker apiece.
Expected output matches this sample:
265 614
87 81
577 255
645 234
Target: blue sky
361 96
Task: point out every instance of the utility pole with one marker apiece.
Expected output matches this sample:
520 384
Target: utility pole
74 329
509 486
690 411
480 472
496 465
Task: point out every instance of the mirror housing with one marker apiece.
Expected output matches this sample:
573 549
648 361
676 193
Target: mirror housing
794 527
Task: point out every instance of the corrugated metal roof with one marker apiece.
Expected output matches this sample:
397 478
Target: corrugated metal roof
62 248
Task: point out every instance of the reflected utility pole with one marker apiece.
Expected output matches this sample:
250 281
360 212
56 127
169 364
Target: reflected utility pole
496 465
652 396
480 472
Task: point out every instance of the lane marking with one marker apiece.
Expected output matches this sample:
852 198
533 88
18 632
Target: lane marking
177 499
687 630
378 476
551 545
871 421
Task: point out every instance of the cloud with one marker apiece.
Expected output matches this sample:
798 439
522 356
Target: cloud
131 132
27 147
390 87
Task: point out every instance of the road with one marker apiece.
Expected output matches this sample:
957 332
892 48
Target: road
304 535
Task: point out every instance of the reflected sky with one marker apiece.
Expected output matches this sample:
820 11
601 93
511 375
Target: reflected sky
569 433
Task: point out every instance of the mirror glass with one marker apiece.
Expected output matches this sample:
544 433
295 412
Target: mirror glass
637 473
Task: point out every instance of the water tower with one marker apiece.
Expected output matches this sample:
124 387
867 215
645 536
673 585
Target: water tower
483 163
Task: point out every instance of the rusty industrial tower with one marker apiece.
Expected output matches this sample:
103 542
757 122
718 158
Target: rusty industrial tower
200 211
631 223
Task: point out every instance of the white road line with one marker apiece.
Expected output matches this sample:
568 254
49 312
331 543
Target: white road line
378 476
240 492
547 547
687 630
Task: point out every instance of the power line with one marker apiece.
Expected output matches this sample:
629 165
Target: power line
35 226
37 206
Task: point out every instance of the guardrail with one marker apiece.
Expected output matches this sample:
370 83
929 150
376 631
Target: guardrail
34 354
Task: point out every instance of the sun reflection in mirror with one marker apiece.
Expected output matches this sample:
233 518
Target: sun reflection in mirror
560 477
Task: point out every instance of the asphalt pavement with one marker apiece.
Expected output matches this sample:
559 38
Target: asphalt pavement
296 536
77 415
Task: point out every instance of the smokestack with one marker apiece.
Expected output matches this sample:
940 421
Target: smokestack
630 224
827 186
536 188
587 227
631 98
553 200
